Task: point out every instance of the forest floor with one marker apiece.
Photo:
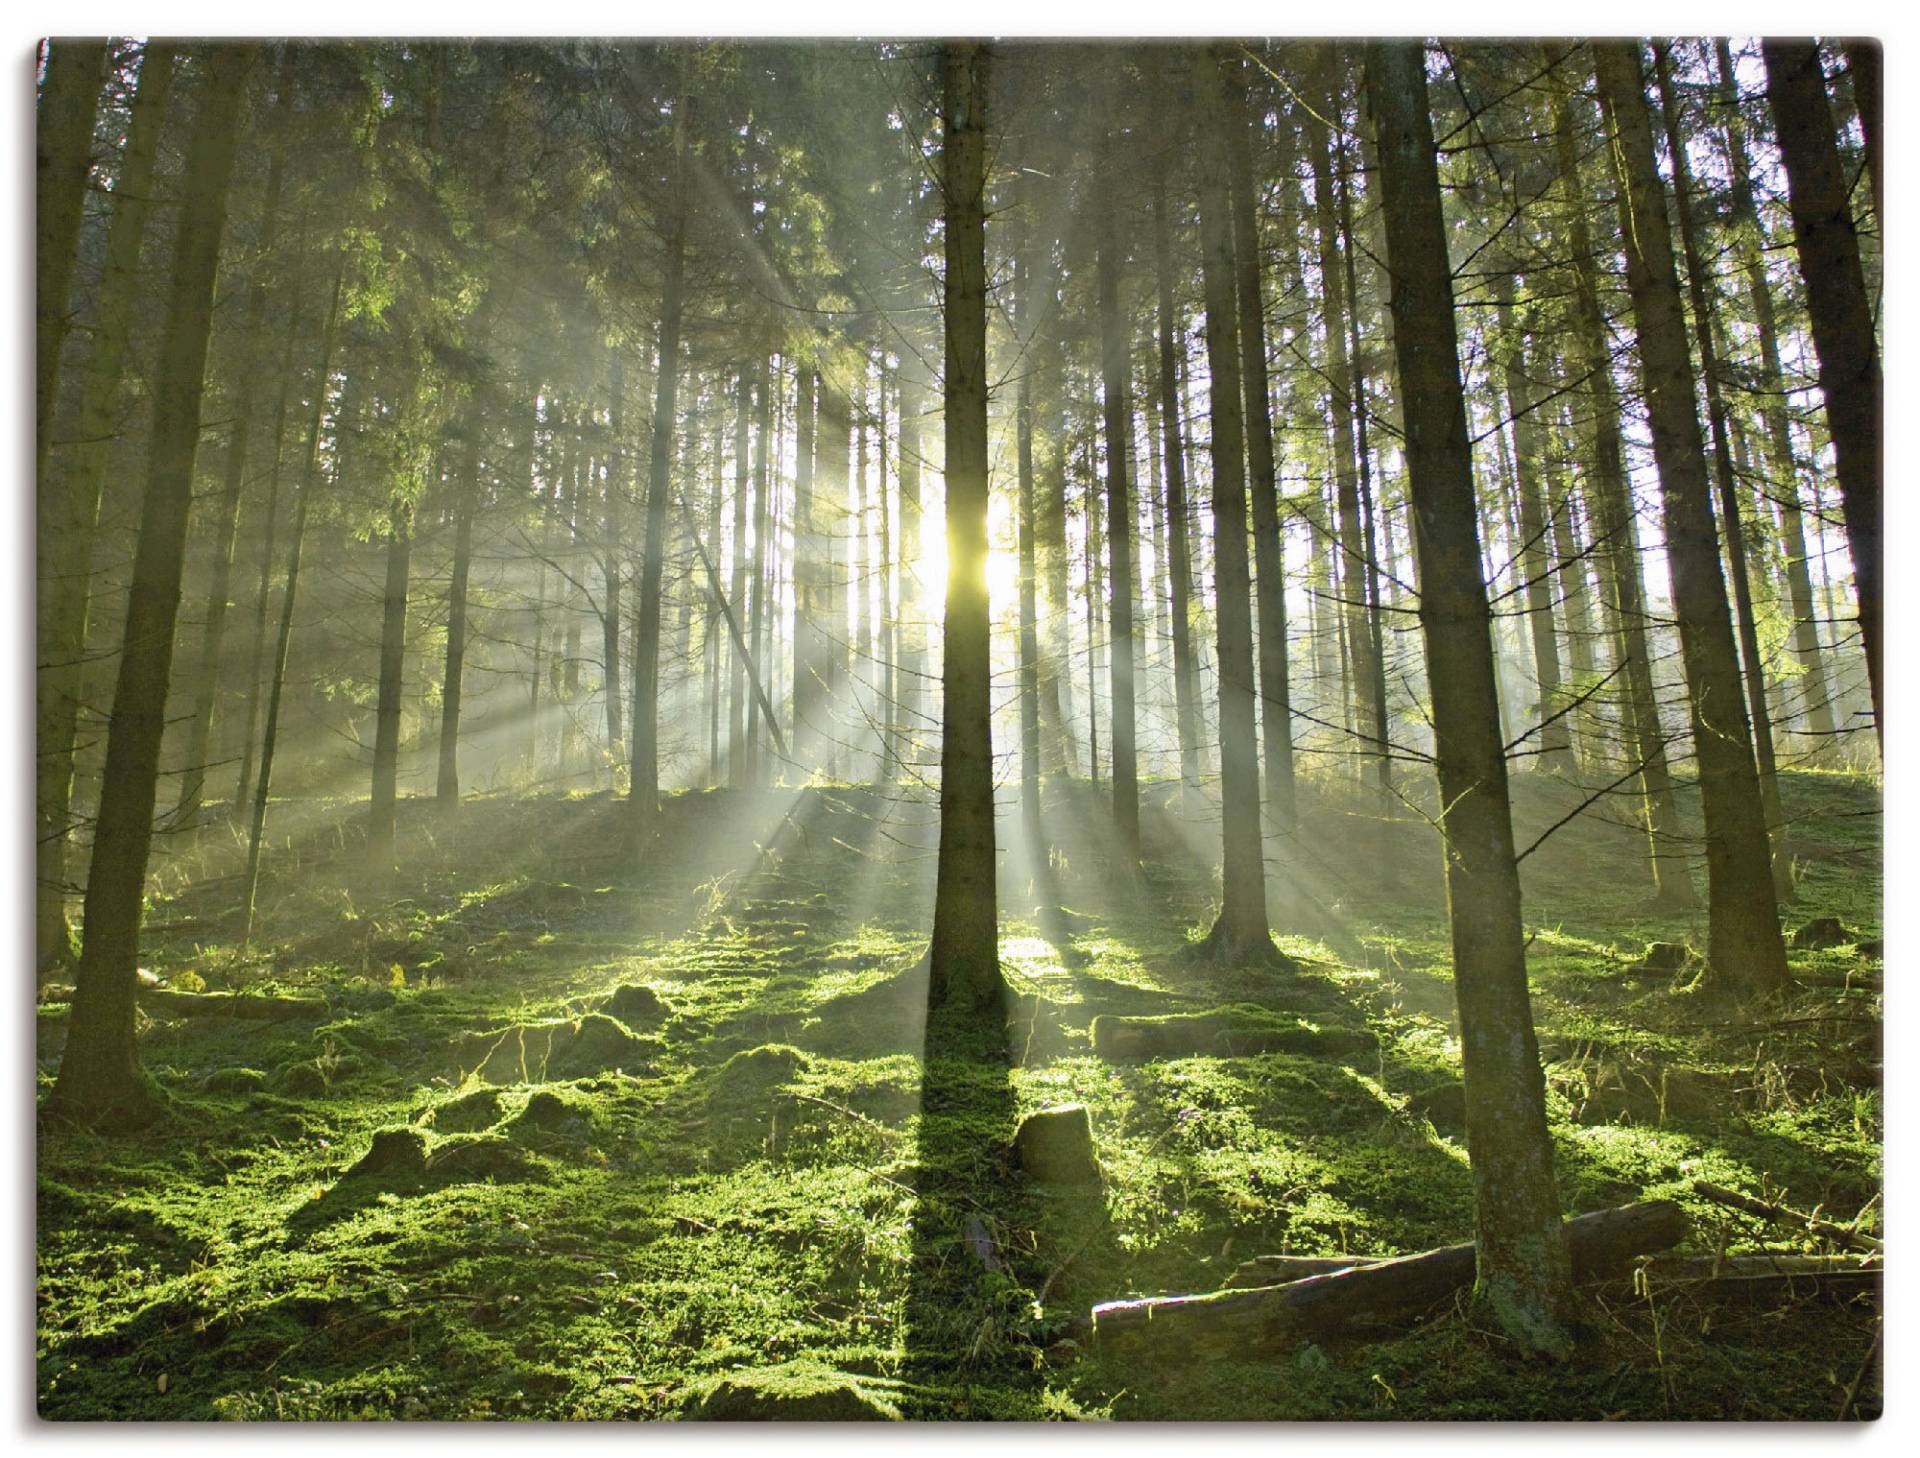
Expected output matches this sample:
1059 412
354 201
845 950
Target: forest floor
686 1146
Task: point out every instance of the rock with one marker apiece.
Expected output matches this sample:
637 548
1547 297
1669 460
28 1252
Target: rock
235 1080
797 1391
395 1154
638 1006
1055 1147
1822 931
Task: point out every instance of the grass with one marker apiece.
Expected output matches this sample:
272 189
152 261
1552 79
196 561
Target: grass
763 1202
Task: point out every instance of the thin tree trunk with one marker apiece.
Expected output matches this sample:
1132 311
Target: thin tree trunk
762 528
643 794
100 1082
1116 341
69 517
1523 1274
1241 932
193 776
737 592
809 596
466 500
1755 678
913 633
382 804
76 71
276 683
611 605
1784 479
1842 319
1179 560
1743 930
1024 515
1673 888
964 959
1276 704
1556 737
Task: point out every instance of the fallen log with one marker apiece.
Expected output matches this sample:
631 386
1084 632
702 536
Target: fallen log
1600 1245
1764 1277
1277 1270
1840 1234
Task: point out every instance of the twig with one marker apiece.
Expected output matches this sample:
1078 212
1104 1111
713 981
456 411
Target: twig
1721 1195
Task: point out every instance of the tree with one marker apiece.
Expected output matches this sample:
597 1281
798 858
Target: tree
1841 316
63 161
1240 933
1523 1277
68 518
100 1082
1743 928
964 959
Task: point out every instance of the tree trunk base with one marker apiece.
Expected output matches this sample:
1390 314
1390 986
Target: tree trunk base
1227 946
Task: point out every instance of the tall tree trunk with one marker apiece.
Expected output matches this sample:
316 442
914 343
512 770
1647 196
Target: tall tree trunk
382 804
913 633
1842 318
1186 696
643 793
193 777
809 593
1783 485
1728 490
276 683
1116 386
76 71
1241 932
1523 1276
100 1082
611 605
1357 637
1024 520
833 471
466 500
1556 737
964 959
1673 889
763 452
69 516
737 592
1743 929
1864 64
1276 704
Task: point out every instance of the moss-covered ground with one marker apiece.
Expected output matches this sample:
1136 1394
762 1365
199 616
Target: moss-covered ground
560 1140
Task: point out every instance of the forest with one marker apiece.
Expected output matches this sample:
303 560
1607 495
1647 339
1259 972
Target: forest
958 729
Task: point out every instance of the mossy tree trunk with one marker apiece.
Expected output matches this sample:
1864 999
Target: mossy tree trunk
100 1082
1523 1275
69 517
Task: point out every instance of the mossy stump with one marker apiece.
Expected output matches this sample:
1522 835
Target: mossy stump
799 1391
1054 1147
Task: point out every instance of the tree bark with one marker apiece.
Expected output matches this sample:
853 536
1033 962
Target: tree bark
1186 695
1744 943
1783 486
69 517
382 803
100 1082
76 71
1523 1275
964 959
1754 677
452 683
1619 540
1840 313
1270 586
193 776
643 792
1116 389
1241 932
